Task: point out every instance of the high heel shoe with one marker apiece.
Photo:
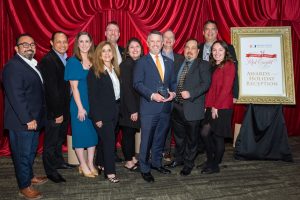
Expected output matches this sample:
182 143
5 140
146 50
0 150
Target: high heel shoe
95 172
88 175
100 169
113 179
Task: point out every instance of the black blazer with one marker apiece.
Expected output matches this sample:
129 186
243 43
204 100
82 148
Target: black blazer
103 106
196 83
130 99
24 95
57 90
178 59
233 54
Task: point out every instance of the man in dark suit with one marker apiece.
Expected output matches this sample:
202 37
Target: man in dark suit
154 79
57 92
210 33
24 113
112 34
193 80
167 50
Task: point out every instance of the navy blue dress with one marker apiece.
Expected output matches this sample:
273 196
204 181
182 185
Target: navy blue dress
83 133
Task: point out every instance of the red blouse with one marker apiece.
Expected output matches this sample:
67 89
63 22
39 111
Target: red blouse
220 95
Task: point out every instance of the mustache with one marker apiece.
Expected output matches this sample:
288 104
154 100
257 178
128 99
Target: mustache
29 51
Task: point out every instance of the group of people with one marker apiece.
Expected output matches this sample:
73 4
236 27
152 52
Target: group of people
106 89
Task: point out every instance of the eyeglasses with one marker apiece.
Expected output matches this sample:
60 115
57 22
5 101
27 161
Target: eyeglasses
27 45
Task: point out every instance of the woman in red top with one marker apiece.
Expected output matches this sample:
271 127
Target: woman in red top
219 105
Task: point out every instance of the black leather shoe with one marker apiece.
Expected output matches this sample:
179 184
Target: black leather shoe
66 166
56 178
202 165
148 177
210 170
173 164
185 171
161 170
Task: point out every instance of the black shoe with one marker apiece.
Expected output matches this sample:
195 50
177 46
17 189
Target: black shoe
161 170
117 158
210 170
148 177
66 166
185 171
173 164
56 178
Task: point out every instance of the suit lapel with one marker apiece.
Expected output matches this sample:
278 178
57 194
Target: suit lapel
57 60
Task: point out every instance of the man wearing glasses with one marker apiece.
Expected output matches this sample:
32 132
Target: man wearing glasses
24 113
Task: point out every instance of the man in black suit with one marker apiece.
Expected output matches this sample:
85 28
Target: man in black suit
193 80
24 113
167 50
57 93
112 34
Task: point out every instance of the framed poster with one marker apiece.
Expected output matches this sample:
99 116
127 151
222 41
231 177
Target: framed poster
265 67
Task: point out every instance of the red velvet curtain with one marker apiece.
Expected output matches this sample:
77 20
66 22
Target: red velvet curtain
138 17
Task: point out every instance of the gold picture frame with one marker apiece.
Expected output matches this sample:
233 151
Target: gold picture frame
265 65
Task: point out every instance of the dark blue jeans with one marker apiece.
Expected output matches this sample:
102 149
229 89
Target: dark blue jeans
23 145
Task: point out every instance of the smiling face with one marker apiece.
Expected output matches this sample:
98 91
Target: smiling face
191 50
84 43
26 47
168 39
134 50
210 32
60 43
218 52
154 43
107 54
112 33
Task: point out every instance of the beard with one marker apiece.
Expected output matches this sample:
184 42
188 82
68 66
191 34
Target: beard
28 54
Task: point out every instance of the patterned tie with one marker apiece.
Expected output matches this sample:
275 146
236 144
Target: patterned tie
181 80
159 68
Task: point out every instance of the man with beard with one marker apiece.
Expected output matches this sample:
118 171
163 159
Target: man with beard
57 93
193 80
24 113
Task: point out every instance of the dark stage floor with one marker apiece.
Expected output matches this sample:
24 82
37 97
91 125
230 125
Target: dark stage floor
239 180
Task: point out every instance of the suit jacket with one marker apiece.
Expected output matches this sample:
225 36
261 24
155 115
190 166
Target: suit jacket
178 59
232 53
24 95
146 80
57 90
129 97
197 82
101 96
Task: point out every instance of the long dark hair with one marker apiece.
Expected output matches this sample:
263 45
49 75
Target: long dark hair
126 52
76 50
227 57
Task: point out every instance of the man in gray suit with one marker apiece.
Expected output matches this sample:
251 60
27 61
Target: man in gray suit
193 80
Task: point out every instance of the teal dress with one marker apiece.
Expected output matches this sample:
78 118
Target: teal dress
84 134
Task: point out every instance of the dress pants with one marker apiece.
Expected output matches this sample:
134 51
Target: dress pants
23 145
128 142
53 139
153 134
186 134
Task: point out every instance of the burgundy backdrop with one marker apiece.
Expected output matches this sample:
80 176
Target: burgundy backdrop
138 17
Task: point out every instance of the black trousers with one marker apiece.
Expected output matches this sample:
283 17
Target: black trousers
128 142
54 137
186 134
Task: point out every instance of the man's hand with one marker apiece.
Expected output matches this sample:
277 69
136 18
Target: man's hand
157 97
99 124
59 119
185 94
32 125
172 95
214 113
134 117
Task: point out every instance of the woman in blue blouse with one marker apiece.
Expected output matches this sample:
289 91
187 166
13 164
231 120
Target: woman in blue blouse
83 132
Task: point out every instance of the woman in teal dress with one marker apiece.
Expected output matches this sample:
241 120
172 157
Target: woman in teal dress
83 132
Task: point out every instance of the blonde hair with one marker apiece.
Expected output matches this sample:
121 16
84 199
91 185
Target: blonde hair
98 64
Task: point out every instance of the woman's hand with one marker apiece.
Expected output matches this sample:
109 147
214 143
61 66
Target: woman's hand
99 124
134 117
214 113
81 114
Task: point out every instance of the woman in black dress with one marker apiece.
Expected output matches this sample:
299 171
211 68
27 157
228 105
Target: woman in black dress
129 108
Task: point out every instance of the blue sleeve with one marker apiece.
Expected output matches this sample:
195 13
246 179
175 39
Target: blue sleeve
74 70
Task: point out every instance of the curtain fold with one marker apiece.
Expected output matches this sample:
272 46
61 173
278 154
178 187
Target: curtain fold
136 18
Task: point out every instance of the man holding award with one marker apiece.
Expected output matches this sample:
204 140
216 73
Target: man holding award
154 79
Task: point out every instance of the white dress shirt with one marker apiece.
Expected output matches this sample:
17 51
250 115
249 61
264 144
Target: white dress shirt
115 81
32 63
